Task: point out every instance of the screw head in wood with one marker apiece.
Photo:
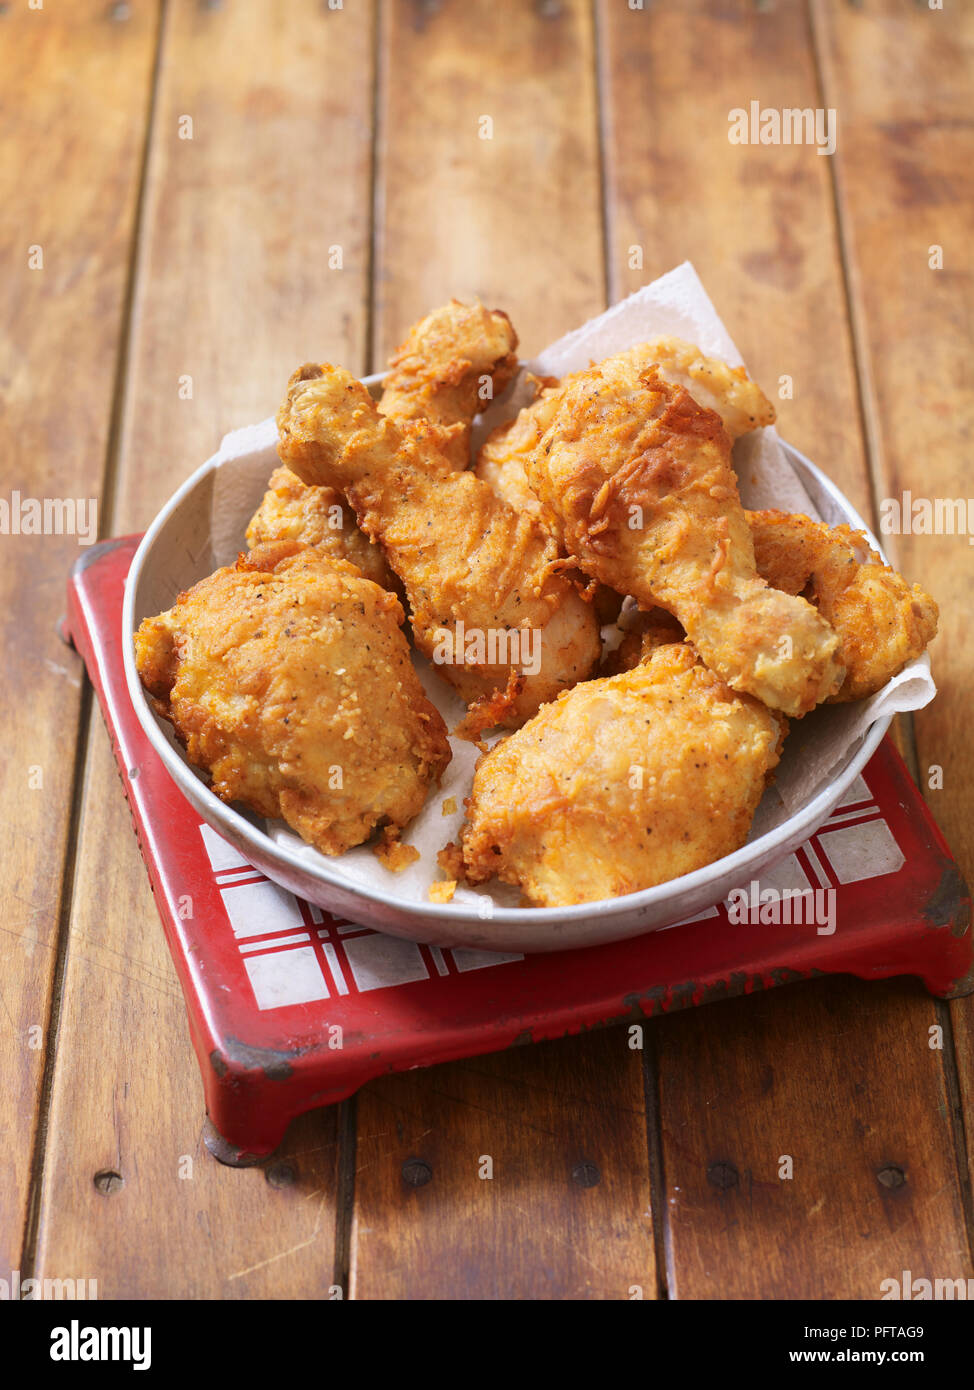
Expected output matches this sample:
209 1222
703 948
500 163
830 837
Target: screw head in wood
891 1175
723 1175
107 1181
586 1173
280 1175
416 1172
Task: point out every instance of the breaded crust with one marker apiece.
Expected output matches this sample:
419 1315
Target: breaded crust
621 784
286 677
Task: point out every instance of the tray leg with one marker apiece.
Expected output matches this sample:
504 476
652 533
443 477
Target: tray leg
955 989
942 960
225 1151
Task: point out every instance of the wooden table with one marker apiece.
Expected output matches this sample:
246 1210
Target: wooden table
197 196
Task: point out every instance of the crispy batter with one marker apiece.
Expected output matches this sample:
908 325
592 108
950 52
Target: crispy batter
435 382
501 460
286 677
392 854
464 556
450 860
493 710
881 621
636 478
740 402
500 464
621 784
642 632
439 373
319 516
442 891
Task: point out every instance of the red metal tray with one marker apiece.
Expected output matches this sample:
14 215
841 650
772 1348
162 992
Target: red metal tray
290 1009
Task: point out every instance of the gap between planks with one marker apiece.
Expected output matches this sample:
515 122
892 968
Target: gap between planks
870 433
86 705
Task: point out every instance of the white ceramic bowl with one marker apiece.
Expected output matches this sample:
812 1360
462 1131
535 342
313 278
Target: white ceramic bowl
179 548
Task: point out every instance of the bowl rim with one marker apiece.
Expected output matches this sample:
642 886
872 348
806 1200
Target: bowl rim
793 831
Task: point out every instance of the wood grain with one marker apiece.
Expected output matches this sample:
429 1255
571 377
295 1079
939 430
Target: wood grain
517 1176
756 221
236 282
815 1077
513 217
759 224
246 222
960 1022
234 289
132 1198
73 106
902 83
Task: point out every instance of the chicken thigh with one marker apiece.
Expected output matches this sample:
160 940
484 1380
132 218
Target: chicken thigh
286 677
621 783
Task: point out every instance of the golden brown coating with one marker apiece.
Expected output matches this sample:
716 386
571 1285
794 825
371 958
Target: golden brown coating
882 621
483 583
501 459
642 632
621 784
286 677
450 367
292 511
500 464
636 479
740 402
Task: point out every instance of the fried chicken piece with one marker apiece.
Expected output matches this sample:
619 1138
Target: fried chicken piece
740 403
501 460
636 479
440 372
881 621
500 464
621 784
642 632
436 377
292 511
483 583
286 677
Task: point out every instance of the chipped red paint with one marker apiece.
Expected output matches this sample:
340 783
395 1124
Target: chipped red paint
261 1068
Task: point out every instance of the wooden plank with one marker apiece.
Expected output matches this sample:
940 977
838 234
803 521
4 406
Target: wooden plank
256 248
73 106
756 221
901 80
516 1176
960 1021
515 219
487 168
234 290
759 224
131 1197
840 1078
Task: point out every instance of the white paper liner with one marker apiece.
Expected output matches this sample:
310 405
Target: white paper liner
677 305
